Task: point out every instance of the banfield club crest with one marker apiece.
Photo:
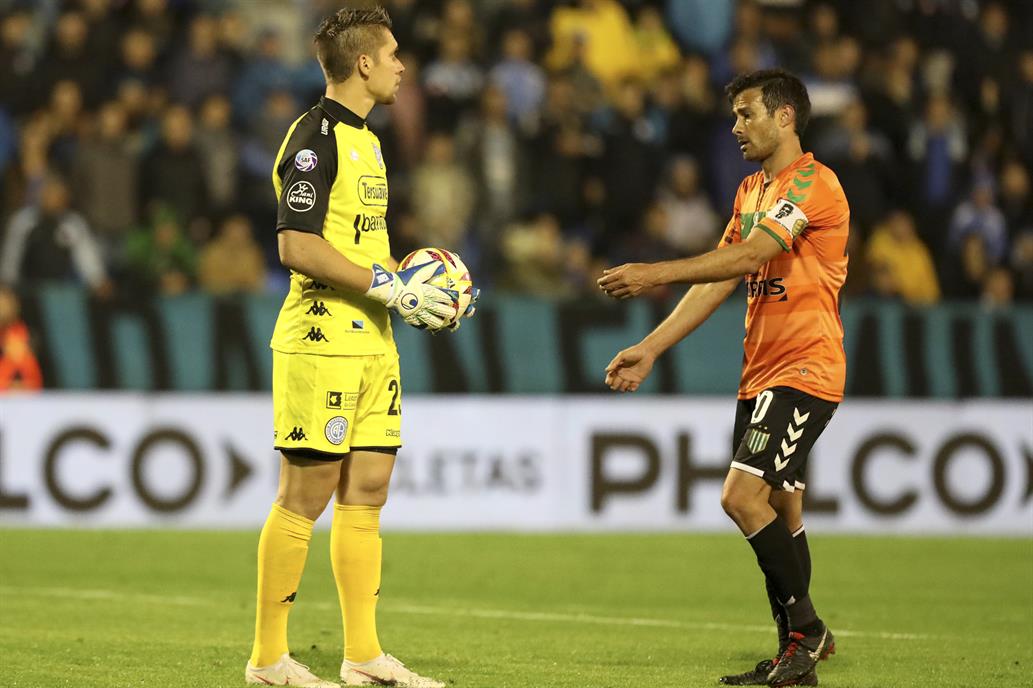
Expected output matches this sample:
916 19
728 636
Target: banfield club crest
306 160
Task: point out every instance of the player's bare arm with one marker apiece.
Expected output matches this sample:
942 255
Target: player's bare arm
630 367
313 256
730 262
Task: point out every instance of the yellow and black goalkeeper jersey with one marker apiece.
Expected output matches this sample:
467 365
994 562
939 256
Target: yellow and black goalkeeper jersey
331 180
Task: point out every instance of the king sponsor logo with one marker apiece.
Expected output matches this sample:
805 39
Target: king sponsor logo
301 197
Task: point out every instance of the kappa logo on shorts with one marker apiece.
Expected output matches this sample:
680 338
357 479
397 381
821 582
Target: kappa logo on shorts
392 433
319 308
296 434
336 429
315 334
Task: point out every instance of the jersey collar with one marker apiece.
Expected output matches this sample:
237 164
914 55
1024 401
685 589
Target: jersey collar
341 113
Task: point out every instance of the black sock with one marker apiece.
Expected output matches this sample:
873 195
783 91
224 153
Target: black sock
776 555
803 553
778 613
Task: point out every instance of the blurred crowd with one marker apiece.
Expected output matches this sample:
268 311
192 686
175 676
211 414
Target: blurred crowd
542 140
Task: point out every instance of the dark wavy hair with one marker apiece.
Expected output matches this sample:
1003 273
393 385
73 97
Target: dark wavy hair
778 87
345 35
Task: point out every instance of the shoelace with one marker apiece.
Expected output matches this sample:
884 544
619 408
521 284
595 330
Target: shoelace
791 648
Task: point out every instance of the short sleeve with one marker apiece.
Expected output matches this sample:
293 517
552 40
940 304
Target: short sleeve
820 205
307 169
733 230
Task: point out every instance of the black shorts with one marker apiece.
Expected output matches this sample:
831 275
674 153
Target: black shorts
774 433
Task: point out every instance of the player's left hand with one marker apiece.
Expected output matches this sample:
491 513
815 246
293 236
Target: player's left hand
630 368
468 313
626 281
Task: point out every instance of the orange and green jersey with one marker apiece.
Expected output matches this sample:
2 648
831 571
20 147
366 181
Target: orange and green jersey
794 336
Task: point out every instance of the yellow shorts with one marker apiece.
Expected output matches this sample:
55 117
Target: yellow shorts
334 404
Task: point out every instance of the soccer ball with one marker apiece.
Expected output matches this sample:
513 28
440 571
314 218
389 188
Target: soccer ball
454 276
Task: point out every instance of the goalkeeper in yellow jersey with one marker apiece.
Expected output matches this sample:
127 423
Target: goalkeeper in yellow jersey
336 386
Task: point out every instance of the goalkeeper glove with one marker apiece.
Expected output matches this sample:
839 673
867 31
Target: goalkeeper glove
406 291
468 313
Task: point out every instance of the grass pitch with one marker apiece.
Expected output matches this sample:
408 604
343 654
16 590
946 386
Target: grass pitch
158 608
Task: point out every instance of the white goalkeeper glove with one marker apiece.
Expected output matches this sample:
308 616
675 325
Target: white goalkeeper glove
420 305
468 313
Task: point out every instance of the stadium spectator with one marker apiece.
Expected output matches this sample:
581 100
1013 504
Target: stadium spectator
1016 200
937 147
978 216
535 254
156 18
68 59
692 120
902 262
998 289
649 244
218 148
656 51
172 174
265 71
52 242
63 118
139 57
490 149
692 226
17 61
19 369
702 26
159 258
599 33
105 174
232 263
1020 120
200 68
631 160
521 80
1022 266
444 193
966 268
863 159
453 82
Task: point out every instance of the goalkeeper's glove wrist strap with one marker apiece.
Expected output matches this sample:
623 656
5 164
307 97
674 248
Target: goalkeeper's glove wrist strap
382 287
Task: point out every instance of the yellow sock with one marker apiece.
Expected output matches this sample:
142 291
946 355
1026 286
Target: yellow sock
282 549
355 551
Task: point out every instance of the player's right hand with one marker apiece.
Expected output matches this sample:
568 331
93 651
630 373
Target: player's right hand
629 368
421 305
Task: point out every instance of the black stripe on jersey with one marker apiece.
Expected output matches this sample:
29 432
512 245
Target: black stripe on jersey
307 170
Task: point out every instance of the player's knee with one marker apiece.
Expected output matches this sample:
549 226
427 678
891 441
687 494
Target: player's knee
308 505
732 502
738 504
368 491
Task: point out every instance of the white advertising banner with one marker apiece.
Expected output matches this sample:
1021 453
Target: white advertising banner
516 463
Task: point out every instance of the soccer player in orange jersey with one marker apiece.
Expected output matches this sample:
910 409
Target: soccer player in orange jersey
787 239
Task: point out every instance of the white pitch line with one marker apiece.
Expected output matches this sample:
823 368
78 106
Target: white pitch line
404 608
